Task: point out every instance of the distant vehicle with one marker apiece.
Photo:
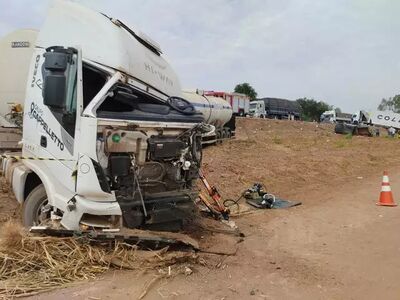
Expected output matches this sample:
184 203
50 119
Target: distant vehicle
257 109
275 108
331 116
362 121
239 102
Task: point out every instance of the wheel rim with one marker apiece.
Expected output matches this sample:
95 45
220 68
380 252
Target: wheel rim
43 212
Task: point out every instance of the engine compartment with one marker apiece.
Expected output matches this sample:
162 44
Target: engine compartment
150 171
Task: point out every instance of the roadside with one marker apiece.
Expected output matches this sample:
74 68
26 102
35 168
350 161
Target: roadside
342 247
337 245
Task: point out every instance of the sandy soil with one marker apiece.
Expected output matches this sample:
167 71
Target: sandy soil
337 245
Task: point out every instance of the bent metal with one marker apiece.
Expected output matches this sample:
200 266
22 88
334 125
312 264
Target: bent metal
35 114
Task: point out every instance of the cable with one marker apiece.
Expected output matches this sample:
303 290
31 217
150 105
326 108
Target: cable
233 202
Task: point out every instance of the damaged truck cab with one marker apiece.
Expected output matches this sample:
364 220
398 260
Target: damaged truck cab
107 139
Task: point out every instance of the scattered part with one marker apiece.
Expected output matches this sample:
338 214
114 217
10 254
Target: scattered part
391 131
142 241
258 197
188 271
215 195
386 196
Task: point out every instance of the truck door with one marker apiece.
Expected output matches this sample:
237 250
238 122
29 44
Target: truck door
60 96
50 120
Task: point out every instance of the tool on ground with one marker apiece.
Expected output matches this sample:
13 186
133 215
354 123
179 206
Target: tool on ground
217 207
386 196
259 192
258 197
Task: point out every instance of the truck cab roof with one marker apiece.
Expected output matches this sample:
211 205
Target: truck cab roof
108 42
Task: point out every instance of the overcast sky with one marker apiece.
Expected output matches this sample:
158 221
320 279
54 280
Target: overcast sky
344 52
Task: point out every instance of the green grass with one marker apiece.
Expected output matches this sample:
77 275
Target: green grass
277 140
348 136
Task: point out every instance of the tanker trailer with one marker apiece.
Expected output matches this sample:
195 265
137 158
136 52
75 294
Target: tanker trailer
216 112
16 50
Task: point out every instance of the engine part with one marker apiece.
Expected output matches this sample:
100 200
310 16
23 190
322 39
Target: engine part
123 141
151 171
164 147
120 165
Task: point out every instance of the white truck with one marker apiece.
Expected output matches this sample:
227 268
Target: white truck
332 116
108 140
257 109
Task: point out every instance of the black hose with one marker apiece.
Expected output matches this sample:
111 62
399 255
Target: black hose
233 202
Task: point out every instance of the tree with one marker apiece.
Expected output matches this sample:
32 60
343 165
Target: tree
312 110
392 103
247 89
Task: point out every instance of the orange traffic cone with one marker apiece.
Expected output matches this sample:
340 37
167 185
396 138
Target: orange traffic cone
386 197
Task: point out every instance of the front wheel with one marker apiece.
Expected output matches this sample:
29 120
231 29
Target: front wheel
36 209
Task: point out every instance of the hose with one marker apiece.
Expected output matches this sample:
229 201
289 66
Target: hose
233 202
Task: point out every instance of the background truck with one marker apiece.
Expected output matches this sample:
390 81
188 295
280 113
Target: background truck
108 140
332 116
216 112
239 102
257 109
275 108
362 122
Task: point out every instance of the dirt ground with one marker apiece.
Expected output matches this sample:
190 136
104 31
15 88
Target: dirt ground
337 245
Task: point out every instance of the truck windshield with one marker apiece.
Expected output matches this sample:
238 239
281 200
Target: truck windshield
124 102
253 105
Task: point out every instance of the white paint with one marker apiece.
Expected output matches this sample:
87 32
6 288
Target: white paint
385 119
14 66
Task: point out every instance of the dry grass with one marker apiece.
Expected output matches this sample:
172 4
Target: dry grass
31 264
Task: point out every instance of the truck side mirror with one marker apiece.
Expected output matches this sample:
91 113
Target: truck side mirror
56 67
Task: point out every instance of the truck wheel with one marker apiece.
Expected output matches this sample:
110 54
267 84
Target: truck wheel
223 134
34 209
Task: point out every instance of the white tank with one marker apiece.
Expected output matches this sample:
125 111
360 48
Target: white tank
16 50
216 111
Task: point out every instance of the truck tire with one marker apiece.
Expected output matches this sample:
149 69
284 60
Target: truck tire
223 134
33 204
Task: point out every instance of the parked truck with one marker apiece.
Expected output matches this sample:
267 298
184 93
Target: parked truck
239 102
108 141
333 116
275 108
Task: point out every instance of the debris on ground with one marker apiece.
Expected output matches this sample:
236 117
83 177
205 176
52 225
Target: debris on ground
258 197
33 264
